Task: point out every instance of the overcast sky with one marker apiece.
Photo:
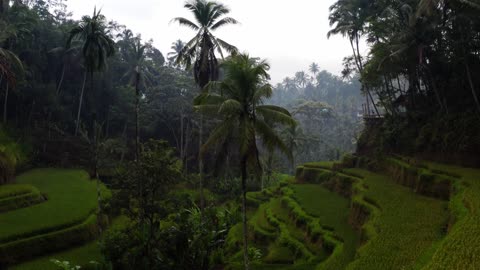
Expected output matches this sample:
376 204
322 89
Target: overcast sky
289 34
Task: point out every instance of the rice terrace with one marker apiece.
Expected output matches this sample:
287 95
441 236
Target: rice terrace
268 135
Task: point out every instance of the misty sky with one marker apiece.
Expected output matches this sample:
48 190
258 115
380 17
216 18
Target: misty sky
289 34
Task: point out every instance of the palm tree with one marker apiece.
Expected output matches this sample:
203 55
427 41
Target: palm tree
301 78
314 69
97 47
177 47
348 17
10 64
135 56
244 118
200 50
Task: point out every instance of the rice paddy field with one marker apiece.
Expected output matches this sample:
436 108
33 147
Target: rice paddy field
352 219
398 226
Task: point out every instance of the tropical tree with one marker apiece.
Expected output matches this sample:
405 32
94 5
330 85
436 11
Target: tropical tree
314 69
135 55
348 18
301 78
177 47
10 64
200 50
97 47
239 103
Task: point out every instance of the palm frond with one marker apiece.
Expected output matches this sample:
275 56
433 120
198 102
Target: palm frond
223 22
230 107
185 22
217 136
276 114
270 139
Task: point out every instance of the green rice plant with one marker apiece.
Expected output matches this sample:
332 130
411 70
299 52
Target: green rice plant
399 233
23 249
20 201
461 246
81 255
15 190
72 198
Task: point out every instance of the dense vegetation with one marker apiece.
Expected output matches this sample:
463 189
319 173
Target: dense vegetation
113 156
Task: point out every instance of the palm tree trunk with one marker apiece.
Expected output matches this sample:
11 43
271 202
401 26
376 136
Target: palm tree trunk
137 111
470 82
182 135
61 80
200 163
243 167
80 103
5 106
124 137
95 165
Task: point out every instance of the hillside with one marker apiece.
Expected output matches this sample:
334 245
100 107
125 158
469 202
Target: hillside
45 211
408 215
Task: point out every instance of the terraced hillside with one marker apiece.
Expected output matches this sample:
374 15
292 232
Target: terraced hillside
410 215
47 210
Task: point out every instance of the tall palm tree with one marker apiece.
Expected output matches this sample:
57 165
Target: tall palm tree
301 78
244 118
200 50
135 56
348 17
314 69
97 47
177 47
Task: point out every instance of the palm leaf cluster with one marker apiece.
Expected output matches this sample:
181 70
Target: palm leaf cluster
199 52
239 102
10 64
97 44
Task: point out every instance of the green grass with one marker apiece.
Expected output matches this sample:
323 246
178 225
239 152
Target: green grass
332 211
17 196
12 190
296 235
320 164
71 200
76 256
407 226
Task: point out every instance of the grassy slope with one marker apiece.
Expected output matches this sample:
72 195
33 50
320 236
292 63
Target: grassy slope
407 225
332 210
461 247
71 199
7 191
76 256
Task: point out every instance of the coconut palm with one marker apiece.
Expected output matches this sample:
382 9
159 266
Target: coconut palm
97 47
244 118
348 17
314 69
135 55
200 50
177 47
301 78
